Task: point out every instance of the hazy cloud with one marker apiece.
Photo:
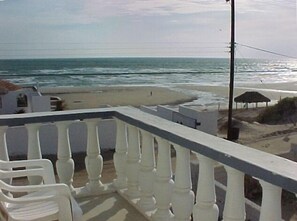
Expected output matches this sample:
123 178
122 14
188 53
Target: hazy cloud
150 7
267 24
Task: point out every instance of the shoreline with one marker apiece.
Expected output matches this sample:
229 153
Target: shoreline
272 91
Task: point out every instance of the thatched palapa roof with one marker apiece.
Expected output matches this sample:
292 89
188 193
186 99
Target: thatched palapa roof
251 97
6 86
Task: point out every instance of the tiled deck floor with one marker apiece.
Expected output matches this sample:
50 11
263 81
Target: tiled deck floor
108 207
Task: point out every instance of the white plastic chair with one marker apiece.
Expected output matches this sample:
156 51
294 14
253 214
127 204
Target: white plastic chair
47 201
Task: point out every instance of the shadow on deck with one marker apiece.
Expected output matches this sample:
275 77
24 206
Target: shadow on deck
108 207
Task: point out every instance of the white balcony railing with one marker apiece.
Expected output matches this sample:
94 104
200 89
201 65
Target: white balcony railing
146 182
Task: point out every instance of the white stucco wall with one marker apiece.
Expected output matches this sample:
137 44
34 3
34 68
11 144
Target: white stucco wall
36 102
41 103
9 103
17 138
208 119
164 112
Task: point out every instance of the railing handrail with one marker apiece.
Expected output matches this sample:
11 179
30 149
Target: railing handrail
48 117
265 166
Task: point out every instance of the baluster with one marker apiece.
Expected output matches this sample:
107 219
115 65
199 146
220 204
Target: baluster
183 196
65 163
235 202
93 160
133 158
3 145
3 148
120 156
147 172
34 151
206 207
163 182
271 202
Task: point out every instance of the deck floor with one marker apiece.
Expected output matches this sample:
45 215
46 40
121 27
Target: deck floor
112 207
108 207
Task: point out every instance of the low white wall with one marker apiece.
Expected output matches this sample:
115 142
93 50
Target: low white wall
9 103
205 121
165 112
149 110
208 119
41 103
17 138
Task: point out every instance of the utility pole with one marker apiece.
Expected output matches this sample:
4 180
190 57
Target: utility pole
232 58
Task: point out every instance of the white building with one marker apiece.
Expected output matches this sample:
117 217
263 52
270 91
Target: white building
14 99
203 120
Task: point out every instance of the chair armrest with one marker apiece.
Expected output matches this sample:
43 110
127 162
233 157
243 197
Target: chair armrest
44 164
25 173
59 188
53 196
58 193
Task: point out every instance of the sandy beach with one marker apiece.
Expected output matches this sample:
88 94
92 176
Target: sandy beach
81 98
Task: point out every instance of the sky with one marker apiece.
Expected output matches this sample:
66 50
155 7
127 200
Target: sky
146 28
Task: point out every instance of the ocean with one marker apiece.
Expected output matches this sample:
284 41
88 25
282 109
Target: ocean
166 72
144 71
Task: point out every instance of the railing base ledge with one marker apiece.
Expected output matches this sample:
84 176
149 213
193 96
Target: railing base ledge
85 192
134 202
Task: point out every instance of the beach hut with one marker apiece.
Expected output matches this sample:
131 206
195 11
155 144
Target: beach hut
251 97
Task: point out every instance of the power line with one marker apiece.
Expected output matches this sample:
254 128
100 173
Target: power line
109 48
108 43
280 4
266 51
257 76
75 48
